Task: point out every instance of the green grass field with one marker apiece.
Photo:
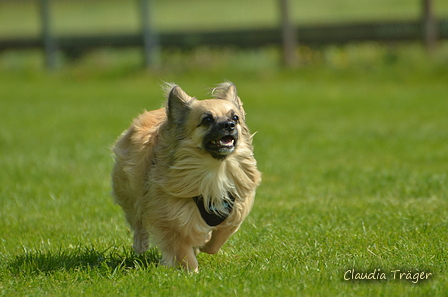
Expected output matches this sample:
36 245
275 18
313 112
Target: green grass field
353 150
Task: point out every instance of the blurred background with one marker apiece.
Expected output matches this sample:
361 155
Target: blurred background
65 30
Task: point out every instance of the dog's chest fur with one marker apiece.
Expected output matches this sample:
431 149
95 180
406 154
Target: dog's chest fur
214 185
193 175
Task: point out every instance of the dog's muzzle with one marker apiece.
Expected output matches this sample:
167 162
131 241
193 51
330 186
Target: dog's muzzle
222 139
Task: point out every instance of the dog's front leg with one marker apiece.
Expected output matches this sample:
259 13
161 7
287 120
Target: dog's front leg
179 255
218 238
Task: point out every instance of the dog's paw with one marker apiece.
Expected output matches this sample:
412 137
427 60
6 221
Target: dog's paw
196 251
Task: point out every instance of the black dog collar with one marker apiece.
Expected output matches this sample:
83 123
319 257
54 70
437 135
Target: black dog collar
211 218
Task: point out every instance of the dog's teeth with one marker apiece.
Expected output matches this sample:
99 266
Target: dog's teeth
213 141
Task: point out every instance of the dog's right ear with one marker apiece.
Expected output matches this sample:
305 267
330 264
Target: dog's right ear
178 104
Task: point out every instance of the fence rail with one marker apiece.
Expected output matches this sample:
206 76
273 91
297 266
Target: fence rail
245 38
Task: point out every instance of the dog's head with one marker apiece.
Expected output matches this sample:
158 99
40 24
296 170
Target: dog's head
215 126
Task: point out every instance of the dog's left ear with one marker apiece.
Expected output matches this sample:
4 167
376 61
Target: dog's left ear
179 103
227 91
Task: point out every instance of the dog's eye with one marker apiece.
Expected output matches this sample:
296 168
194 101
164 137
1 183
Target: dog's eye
235 118
207 120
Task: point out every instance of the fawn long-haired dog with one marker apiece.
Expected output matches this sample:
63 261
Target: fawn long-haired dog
185 175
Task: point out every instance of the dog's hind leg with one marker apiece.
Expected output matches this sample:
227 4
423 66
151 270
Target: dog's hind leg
218 238
141 238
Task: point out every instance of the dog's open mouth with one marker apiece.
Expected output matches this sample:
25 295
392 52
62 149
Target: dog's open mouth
226 141
222 146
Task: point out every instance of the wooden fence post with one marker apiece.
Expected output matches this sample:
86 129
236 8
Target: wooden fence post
150 38
289 36
49 43
429 26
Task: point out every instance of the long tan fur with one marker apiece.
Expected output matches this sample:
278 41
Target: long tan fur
161 164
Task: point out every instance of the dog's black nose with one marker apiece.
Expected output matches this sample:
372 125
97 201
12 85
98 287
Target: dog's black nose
228 126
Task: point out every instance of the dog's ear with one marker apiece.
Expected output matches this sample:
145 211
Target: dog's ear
178 104
227 91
